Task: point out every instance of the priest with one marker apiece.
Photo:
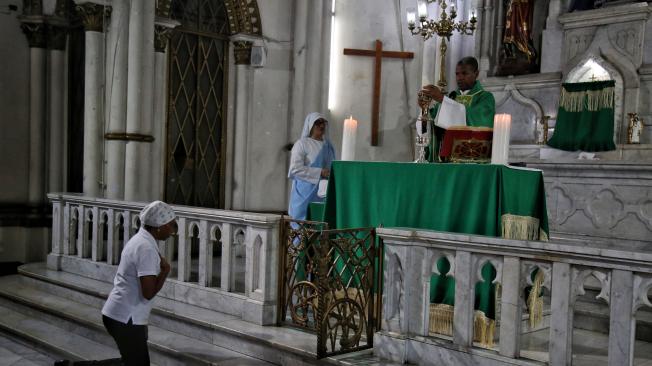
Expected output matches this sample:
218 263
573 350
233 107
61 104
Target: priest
469 105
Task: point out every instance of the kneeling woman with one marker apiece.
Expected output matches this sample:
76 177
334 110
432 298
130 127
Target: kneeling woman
311 161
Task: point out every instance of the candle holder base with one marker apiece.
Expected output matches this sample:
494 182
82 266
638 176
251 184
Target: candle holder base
421 142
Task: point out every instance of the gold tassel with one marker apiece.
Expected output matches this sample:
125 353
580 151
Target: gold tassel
441 319
595 99
534 301
520 227
483 329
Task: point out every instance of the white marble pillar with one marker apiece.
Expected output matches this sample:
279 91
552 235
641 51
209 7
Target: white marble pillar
622 324
552 39
56 107
464 299
133 157
37 56
93 18
561 316
116 97
484 38
145 148
242 51
510 309
163 30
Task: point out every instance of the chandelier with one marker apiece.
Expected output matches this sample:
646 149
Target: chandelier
444 28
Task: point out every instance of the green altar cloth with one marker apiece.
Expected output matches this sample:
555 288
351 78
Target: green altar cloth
585 120
492 200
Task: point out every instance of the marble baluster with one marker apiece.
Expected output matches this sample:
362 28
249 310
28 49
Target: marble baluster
464 300
510 310
184 252
57 226
622 324
205 255
561 316
227 244
96 243
112 245
67 221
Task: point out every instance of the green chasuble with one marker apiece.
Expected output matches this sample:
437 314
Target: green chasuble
585 120
480 110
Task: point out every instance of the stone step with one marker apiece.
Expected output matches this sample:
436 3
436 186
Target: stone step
58 341
84 321
278 345
594 316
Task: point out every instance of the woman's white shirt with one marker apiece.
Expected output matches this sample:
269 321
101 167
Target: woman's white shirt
139 258
303 154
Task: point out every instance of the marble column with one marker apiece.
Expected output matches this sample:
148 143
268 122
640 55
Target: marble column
35 32
242 53
135 87
56 106
93 15
552 39
163 31
116 97
485 37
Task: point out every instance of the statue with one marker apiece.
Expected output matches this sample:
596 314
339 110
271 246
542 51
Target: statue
634 129
542 131
518 55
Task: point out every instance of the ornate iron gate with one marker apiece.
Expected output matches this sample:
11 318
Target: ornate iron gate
196 111
330 284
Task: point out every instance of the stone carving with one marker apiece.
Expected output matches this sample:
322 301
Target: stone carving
527 268
431 263
35 33
479 262
606 209
162 35
642 286
244 16
579 276
242 52
578 42
626 41
93 15
557 207
395 270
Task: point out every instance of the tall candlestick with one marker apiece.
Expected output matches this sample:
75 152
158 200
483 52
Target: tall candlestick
348 138
500 144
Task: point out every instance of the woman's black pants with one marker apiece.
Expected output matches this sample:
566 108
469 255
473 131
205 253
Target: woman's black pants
131 340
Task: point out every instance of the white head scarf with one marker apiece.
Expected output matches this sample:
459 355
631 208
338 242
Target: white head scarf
310 120
156 214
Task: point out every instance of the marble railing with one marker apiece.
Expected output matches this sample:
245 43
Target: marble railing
88 235
410 260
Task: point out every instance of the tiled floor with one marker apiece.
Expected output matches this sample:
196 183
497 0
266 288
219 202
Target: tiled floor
16 353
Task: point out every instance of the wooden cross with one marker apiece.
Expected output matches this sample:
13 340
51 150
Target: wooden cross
378 53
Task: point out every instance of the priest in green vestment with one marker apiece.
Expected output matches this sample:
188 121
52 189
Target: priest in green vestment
469 105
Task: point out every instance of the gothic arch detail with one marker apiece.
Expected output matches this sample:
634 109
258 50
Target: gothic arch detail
244 15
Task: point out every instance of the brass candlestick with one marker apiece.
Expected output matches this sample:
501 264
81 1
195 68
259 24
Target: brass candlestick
423 128
634 129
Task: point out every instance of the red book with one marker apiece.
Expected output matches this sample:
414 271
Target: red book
464 144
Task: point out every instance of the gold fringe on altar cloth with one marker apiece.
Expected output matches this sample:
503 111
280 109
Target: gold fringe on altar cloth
522 228
535 301
441 322
595 99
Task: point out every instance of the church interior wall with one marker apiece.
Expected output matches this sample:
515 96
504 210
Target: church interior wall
359 24
14 99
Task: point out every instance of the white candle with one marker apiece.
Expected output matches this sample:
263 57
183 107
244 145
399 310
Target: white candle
348 138
422 9
500 144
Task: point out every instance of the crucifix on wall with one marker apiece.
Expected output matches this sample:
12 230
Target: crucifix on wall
378 53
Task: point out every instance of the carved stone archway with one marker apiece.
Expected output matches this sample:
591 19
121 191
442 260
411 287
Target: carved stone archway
244 16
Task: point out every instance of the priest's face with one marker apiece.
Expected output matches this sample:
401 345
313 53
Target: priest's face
465 76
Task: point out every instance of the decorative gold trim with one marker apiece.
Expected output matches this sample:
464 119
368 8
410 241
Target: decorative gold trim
595 99
441 322
92 16
162 35
242 52
521 227
128 137
534 301
244 16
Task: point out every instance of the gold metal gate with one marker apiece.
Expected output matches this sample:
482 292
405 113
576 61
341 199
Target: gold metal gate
196 123
330 284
